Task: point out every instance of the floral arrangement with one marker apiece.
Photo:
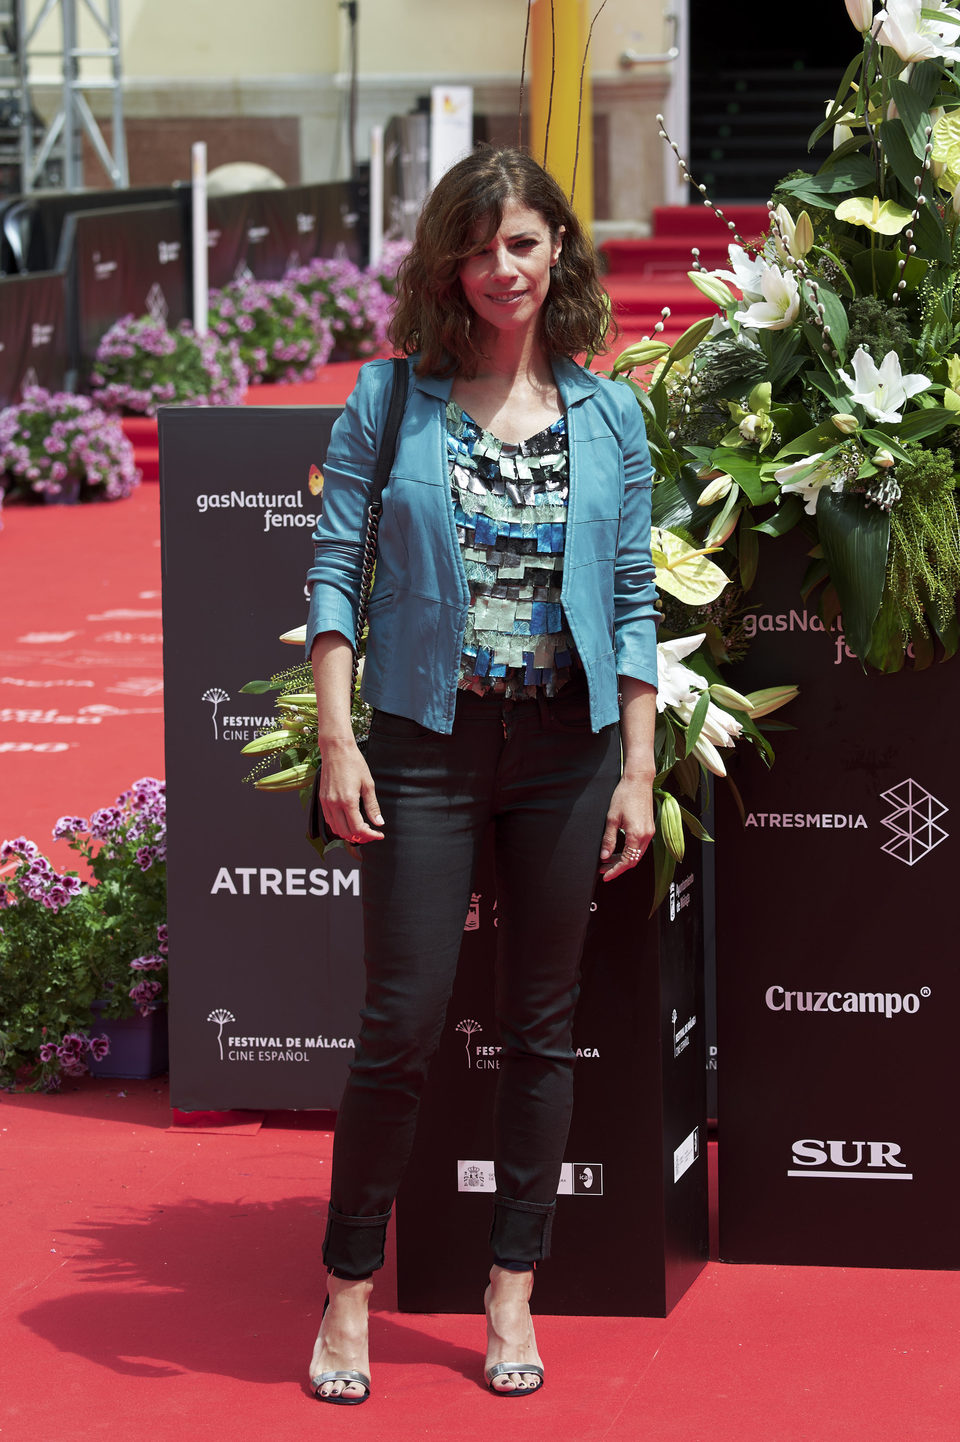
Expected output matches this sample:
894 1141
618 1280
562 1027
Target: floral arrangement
356 303
275 327
826 395
73 951
57 445
141 365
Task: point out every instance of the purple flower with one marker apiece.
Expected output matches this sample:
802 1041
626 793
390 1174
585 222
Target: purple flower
68 826
144 994
47 1052
147 963
99 1047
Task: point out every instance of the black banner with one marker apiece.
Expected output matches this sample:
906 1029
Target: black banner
634 1185
126 261
263 233
265 952
33 334
838 983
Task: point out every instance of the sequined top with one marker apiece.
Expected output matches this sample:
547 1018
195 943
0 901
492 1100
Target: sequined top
510 507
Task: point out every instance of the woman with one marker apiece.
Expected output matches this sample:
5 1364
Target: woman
512 646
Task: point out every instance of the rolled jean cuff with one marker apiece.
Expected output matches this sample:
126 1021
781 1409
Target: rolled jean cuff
521 1230
354 1246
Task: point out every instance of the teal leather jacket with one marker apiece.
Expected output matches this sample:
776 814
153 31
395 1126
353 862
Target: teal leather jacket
418 609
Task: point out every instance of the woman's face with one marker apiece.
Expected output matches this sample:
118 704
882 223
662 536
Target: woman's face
506 282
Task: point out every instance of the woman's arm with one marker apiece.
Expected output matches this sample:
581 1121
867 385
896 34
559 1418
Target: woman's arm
345 780
631 806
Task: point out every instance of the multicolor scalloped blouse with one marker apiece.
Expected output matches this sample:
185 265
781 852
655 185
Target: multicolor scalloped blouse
510 507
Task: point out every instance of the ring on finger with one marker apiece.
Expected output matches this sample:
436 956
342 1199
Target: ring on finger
631 853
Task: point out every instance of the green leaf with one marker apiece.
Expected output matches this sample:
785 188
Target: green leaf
838 109
257 688
850 175
744 468
694 826
749 551
674 502
784 518
855 539
834 315
664 867
924 423
914 115
931 236
695 724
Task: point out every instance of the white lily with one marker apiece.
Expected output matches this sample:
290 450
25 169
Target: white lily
780 305
746 272
680 688
805 478
917 36
677 685
882 390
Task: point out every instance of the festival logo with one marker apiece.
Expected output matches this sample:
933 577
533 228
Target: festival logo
913 820
469 1028
215 694
263 1049
221 1016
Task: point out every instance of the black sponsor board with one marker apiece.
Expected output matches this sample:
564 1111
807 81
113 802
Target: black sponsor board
631 1228
838 986
125 261
33 335
265 954
264 233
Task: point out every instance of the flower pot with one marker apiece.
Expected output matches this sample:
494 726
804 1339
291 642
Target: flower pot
138 1045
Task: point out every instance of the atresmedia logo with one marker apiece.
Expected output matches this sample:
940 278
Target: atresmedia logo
913 820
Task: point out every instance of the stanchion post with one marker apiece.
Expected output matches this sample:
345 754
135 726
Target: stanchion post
198 173
376 194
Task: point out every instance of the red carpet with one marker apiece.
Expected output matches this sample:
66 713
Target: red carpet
161 1284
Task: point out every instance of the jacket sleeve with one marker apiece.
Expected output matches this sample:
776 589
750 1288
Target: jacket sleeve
333 580
635 594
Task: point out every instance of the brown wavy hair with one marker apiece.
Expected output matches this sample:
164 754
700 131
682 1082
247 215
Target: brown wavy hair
432 315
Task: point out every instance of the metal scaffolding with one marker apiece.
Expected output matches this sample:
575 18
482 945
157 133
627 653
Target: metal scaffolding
62 138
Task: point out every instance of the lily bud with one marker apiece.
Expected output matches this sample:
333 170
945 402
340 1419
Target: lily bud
293 779
715 491
713 288
845 423
803 240
671 826
861 14
771 698
730 698
643 353
304 700
884 459
297 637
706 752
722 530
275 741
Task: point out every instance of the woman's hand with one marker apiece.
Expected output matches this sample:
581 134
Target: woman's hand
345 780
631 811
631 806
346 786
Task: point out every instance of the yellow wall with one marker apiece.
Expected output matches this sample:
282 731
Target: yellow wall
448 39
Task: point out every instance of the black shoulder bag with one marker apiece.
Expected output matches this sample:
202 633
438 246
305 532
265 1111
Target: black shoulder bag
317 829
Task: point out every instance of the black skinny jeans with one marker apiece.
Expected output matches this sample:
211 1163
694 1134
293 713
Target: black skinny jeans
537 770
